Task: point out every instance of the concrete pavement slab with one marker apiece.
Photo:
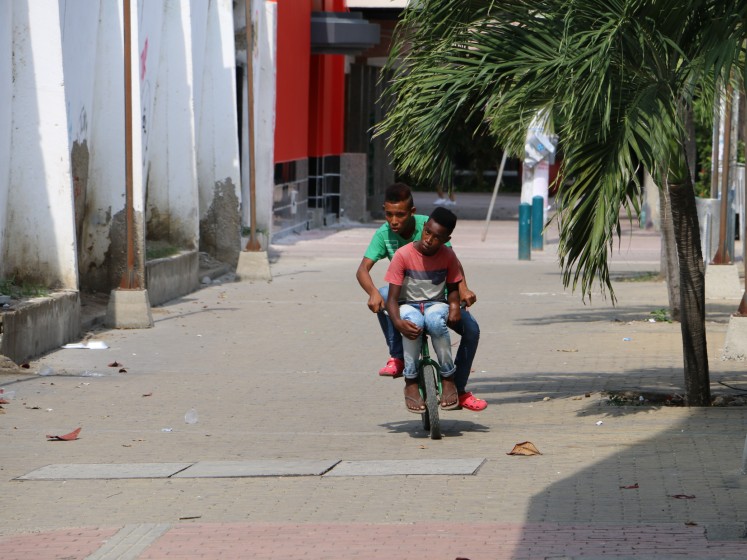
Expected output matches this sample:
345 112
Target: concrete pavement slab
401 467
104 471
268 467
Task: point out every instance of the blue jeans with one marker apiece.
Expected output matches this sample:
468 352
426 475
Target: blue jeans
433 321
467 328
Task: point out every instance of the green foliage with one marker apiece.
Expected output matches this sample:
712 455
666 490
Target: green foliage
613 78
160 251
661 315
9 287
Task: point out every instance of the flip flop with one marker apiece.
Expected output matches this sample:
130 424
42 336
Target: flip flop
446 397
414 401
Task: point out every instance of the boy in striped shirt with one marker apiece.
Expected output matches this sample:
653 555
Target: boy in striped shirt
424 281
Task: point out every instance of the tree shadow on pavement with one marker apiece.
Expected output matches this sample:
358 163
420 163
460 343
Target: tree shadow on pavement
664 484
716 312
621 315
659 387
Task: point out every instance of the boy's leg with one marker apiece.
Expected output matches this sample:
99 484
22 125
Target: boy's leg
436 315
413 400
395 364
470 333
469 330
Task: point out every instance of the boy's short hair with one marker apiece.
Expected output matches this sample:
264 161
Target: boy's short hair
398 192
444 217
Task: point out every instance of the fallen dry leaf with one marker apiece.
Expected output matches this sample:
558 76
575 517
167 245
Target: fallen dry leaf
631 487
115 364
147 394
524 448
682 496
122 370
67 437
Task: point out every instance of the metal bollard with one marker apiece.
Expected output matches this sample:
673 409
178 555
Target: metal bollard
538 223
525 219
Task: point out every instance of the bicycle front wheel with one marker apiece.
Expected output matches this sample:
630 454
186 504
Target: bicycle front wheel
431 421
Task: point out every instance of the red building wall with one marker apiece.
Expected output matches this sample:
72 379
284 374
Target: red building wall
293 68
310 89
327 105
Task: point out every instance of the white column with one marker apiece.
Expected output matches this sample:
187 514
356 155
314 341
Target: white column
40 232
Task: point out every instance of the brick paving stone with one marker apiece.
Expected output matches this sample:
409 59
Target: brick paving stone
421 540
55 545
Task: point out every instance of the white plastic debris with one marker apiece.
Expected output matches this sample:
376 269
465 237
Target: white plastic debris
191 417
90 345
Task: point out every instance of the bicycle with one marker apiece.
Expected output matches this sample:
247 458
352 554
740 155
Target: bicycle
429 383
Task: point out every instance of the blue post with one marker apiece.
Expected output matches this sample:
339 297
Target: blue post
538 223
525 219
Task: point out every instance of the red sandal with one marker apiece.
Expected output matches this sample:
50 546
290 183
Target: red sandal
471 402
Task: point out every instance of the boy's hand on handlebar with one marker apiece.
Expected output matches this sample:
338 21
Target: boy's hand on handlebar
408 329
467 296
376 302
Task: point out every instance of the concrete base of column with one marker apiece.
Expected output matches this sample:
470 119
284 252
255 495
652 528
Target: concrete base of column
722 282
129 309
735 347
253 265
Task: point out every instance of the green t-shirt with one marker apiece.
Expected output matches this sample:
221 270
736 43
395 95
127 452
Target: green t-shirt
385 242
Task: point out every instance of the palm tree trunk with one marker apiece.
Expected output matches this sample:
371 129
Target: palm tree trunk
692 289
670 267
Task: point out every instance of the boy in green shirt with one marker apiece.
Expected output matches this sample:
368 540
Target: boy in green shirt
404 226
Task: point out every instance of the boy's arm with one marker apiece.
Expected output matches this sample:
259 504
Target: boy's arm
465 294
375 301
453 298
405 327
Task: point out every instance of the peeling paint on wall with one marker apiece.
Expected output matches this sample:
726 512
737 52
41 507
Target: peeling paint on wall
163 225
93 248
116 256
220 229
79 166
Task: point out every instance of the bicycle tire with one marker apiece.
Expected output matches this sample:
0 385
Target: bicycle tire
430 376
426 421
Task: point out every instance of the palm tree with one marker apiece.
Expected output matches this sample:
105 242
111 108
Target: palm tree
617 78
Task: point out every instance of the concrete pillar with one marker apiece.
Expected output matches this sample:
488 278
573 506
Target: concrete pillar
6 112
94 89
216 128
264 16
168 124
353 172
38 239
735 347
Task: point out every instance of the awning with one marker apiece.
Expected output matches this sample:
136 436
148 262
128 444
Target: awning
342 33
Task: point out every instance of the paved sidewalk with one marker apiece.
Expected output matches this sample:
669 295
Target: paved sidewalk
284 373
